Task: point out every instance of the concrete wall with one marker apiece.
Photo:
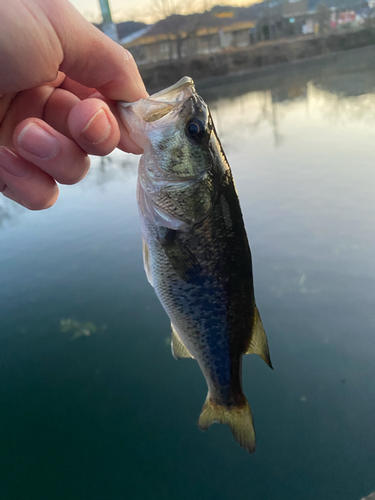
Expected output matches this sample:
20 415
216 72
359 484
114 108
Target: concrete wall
157 76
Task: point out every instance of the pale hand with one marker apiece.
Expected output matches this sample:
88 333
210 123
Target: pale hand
59 80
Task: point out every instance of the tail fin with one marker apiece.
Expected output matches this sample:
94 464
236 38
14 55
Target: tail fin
239 419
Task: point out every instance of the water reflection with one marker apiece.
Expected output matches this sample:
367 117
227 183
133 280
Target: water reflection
272 108
5 212
77 329
115 166
335 97
9 211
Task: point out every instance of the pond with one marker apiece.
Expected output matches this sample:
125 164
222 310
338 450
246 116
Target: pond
92 403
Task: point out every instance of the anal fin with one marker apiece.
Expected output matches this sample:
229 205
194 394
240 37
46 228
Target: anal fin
258 340
178 348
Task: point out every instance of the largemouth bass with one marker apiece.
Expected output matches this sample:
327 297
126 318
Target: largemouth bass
195 248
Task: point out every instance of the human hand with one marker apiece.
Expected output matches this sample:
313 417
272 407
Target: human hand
59 80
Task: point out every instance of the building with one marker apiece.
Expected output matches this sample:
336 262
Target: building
166 46
282 18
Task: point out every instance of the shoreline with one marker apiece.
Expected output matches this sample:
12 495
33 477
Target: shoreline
344 57
257 60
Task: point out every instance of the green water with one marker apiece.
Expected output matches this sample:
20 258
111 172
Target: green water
92 404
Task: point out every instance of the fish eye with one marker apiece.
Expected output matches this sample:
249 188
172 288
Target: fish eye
194 127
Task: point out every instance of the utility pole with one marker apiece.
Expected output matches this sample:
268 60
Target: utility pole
108 26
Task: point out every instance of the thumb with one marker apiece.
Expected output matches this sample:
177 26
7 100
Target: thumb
90 57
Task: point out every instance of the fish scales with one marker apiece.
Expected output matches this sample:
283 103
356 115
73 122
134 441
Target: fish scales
196 252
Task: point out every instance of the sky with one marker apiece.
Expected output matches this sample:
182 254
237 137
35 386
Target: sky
125 10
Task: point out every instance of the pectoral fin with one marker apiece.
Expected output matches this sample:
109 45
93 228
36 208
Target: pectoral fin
146 261
181 258
258 340
178 348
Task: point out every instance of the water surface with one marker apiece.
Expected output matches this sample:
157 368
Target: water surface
92 404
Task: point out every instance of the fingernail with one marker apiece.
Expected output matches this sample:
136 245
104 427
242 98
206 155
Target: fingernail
98 128
37 141
12 164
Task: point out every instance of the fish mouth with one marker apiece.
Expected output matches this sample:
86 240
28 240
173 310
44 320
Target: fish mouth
158 105
174 90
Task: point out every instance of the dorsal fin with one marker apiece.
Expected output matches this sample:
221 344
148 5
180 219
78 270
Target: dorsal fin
258 340
178 348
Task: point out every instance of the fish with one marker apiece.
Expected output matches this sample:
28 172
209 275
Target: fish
195 248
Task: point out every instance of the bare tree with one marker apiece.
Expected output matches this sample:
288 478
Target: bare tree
175 23
206 5
161 9
323 17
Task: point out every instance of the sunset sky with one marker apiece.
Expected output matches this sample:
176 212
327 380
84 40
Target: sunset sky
125 10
